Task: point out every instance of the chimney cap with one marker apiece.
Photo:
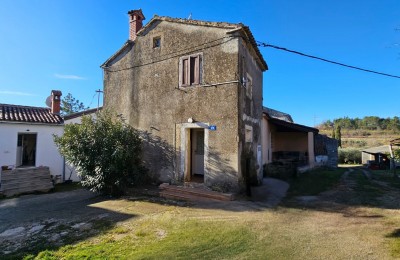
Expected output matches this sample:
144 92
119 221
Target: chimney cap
56 93
138 13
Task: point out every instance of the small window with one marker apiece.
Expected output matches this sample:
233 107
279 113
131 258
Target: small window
190 70
156 42
249 134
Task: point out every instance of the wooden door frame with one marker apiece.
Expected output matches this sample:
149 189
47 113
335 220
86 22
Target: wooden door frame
186 149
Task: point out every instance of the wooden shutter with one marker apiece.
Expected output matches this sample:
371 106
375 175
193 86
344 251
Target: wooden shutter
185 71
196 74
190 70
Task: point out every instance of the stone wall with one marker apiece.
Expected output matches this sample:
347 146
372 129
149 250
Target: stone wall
327 146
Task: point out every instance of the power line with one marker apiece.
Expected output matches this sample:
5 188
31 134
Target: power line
178 53
326 60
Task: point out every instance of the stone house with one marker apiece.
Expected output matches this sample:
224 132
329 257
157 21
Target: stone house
194 90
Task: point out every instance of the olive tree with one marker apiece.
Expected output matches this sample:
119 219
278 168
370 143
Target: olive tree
105 151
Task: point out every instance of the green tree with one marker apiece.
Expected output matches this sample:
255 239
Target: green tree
71 105
394 124
338 135
105 151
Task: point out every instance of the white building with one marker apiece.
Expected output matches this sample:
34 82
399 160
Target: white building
26 136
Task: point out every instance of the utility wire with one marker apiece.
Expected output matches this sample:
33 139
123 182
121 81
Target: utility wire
326 60
192 49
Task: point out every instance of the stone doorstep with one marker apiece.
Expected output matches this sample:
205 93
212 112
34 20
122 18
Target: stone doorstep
192 193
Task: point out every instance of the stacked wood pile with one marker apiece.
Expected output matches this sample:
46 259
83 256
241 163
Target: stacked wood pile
25 180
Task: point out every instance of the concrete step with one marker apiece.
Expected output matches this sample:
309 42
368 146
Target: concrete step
190 193
175 196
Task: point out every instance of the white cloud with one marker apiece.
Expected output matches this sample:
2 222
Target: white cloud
16 93
73 77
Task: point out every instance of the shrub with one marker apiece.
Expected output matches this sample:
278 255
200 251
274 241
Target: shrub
105 151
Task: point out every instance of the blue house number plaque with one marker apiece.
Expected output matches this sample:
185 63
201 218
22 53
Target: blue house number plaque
212 127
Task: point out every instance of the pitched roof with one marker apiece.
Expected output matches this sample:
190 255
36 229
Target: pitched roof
285 123
26 114
285 126
277 114
245 30
81 113
377 149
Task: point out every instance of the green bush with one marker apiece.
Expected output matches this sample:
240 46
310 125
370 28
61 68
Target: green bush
349 156
105 151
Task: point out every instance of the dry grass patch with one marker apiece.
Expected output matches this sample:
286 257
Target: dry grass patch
250 233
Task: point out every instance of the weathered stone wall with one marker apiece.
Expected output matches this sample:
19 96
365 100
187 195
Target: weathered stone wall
250 116
144 88
325 145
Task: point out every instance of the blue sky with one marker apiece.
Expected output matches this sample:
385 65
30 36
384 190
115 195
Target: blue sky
47 44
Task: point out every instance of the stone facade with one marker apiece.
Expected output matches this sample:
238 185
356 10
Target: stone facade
326 148
177 81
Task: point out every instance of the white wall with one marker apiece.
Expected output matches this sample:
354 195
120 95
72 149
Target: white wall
46 151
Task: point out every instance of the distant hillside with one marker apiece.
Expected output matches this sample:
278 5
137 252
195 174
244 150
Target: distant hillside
363 133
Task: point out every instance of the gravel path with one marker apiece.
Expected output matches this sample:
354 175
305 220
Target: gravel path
40 220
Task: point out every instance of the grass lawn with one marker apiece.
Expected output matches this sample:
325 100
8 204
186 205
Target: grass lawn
315 181
243 229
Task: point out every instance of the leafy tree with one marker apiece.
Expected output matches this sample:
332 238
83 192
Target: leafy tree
71 105
394 124
105 151
349 156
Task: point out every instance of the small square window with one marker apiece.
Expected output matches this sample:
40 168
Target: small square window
156 42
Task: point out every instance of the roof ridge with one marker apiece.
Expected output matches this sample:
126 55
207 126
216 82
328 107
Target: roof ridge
200 22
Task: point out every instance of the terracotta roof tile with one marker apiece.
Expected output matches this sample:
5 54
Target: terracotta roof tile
26 114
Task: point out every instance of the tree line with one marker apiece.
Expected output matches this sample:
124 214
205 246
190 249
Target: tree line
366 123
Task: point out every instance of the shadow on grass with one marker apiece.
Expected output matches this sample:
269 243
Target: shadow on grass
34 223
344 193
394 234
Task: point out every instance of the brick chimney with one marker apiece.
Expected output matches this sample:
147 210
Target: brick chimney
136 18
55 101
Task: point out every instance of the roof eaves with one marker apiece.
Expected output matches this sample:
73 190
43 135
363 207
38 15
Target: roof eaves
250 38
81 113
116 54
295 126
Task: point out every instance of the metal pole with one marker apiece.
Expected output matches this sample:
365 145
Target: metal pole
98 98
